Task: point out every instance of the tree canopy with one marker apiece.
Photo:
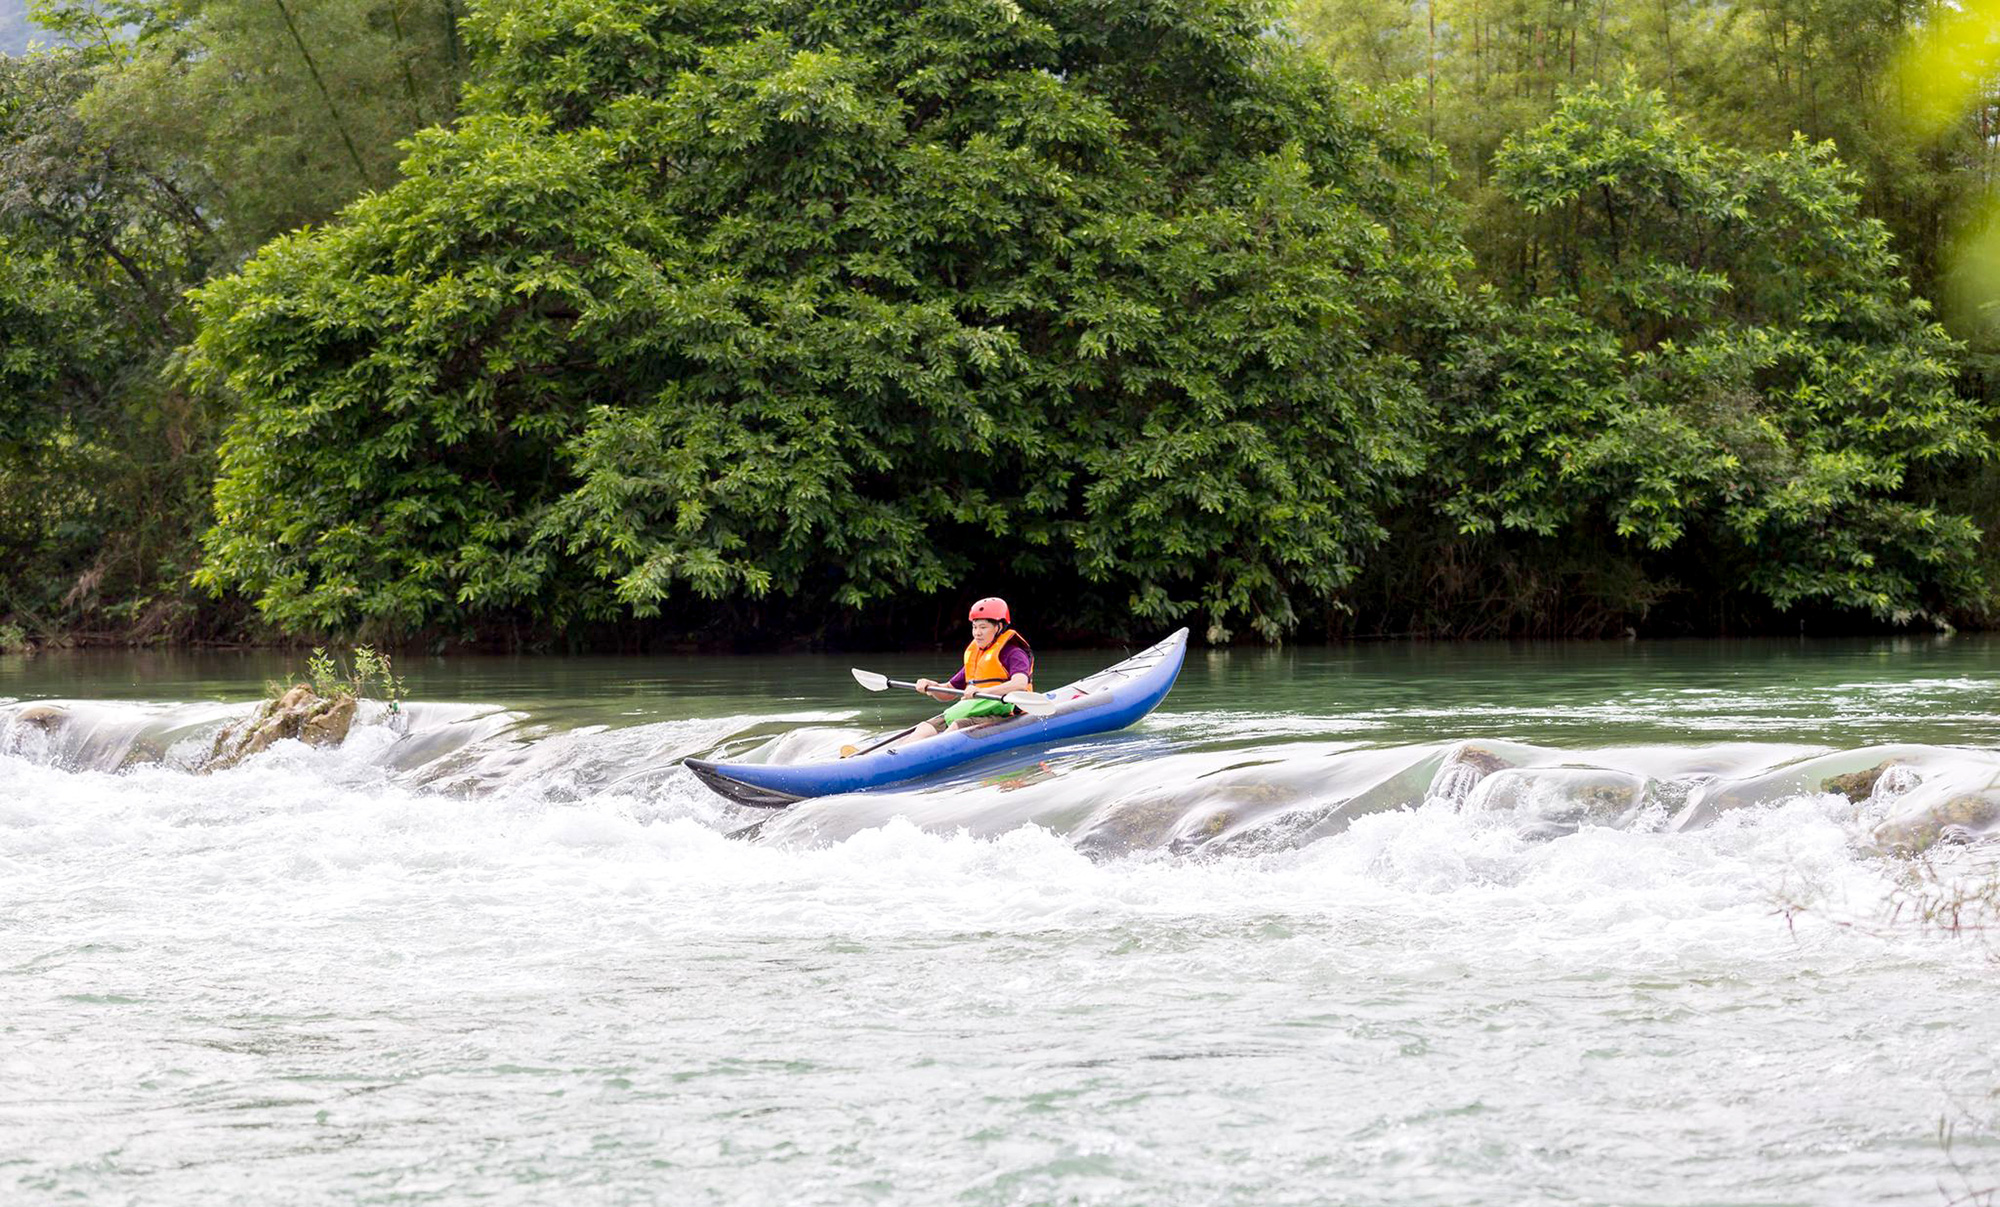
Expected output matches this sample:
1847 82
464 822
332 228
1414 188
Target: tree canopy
97 249
1711 350
837 303
149 146
777 319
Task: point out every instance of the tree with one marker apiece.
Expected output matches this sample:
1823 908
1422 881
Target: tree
1749 74
1722 364
753 299
160 142
97 247
284 110
1948 78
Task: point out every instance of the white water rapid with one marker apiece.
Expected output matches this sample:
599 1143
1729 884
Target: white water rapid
477 955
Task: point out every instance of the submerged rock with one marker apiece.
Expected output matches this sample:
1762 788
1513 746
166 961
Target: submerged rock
1328 808
1183 821
1967 817
45 717
1858 786
1463 770
1549 802
1130 826
299 713
143 753
1483 759
32 728
1859 775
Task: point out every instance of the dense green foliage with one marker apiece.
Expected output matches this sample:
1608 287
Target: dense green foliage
1748 74
99 455
278 111
1747 77
161 145
1711 352
759 317
837 305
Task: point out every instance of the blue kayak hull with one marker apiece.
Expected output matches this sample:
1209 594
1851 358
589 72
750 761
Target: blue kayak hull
1109 700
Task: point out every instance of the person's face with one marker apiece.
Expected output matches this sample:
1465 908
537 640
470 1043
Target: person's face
984 631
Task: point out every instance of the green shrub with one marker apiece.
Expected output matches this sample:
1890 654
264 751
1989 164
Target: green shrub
364 672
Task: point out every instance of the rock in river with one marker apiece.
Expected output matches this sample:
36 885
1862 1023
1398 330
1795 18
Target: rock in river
299 713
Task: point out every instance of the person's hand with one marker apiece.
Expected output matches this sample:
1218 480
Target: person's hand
927 686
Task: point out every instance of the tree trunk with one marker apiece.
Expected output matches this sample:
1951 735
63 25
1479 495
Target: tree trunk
331 108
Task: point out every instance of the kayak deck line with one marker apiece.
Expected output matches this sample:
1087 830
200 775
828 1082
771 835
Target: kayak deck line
1107 700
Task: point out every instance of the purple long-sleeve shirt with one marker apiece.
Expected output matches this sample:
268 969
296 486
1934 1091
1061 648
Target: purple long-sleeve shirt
1014 659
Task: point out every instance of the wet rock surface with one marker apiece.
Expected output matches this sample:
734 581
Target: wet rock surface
1858 786
299 713
1549 802
1483 759
45 717
1966 817
1468 765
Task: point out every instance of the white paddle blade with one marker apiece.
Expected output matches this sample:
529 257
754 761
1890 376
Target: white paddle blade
869 679
1033 703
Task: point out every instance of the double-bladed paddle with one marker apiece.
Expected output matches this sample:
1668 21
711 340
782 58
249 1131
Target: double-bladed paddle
1028 702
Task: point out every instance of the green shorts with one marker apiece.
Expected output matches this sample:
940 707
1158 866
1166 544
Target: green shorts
965 709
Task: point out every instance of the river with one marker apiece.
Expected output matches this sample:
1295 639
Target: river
1609 923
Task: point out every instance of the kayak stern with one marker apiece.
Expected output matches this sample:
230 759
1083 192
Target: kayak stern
737 790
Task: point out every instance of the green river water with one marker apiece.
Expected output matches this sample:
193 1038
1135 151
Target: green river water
1609 923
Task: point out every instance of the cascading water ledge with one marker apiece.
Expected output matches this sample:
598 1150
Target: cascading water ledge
1109 798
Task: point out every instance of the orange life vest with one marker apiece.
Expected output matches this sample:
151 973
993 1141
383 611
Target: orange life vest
983 668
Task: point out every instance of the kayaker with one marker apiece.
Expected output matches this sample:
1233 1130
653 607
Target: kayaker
998 660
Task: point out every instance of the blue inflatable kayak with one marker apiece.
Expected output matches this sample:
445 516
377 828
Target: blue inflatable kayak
1110 699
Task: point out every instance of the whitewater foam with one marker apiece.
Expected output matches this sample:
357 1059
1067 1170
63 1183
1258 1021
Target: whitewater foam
471 953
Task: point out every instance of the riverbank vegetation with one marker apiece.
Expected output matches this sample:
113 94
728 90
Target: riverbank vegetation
600 323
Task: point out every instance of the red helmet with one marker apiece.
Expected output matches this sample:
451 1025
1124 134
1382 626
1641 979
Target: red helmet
991 608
